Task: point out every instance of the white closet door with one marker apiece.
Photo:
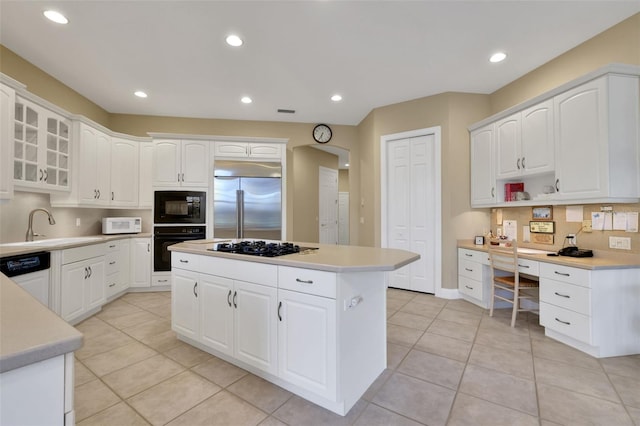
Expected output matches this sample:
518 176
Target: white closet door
328 205
411 209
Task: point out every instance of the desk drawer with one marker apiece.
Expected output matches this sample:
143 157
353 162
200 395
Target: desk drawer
569 323
471 288
529 267
566 296
319 283
567 274
470 269
472 255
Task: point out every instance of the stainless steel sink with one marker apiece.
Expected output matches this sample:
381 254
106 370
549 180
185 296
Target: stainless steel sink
52 242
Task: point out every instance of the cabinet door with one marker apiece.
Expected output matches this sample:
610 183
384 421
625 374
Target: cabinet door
195 161
124 173
264 150
184 303
145 184
58 147
307 342
124 257
537 139
231 149
140 262
27 145
216 313
94 163
7 111
507 132
166 163
483 184
73 277
256 325
95 283
581 141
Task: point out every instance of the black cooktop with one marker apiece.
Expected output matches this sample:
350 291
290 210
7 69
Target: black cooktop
260 248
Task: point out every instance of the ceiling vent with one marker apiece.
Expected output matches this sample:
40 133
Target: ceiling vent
286 111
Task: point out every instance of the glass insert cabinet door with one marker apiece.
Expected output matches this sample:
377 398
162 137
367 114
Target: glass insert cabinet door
41 147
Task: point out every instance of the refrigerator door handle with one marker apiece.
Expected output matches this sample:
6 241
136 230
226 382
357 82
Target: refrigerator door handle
240 210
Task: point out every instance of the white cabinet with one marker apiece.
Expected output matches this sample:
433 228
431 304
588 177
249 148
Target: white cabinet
41 148
185 306
117 267
216 315
94 166
307 341
140 262
124 172
524 142
181 163
145 184
7 105
82 281
597 147
247 150
483 182
473 278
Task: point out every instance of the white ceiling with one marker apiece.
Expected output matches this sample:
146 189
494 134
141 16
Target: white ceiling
296 53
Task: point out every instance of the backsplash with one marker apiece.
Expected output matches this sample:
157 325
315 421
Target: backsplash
14 218
596 240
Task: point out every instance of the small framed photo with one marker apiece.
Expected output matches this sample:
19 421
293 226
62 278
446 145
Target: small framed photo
542 213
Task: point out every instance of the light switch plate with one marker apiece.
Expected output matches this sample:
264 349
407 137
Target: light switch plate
620 243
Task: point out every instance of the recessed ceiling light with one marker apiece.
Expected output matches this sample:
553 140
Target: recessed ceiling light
140 94
336 98
234 40
346 164
56 17
498 57
246 100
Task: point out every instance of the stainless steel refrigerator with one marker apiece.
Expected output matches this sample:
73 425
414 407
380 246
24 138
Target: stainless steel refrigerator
247 201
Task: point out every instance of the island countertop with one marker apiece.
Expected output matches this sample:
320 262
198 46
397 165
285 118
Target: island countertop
327 257
29 331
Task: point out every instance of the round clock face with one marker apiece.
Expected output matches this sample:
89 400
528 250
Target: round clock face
322 133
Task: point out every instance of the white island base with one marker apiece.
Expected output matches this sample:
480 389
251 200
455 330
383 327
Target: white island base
320 334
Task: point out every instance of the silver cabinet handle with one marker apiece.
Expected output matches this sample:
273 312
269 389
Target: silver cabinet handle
229 298
518 163
148 247
557 187
184 261
195 287
563 322
41 174
162 281
112 263
98 194
561 273
523 163
562 295
470 288
183 177
279 307
112 285
468 255
467 269
86 272
95 194
111 195
112 246
304 281
178 177
493 191
523 266
46 175
235 298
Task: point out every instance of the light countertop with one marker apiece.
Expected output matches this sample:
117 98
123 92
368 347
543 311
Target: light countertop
328 257
601 259
29 331
34 247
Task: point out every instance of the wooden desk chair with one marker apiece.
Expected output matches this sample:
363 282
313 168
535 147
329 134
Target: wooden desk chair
506 278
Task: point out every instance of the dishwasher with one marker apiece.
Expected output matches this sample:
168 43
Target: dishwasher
31 272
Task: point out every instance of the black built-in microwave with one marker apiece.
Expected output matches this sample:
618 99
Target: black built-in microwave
179 207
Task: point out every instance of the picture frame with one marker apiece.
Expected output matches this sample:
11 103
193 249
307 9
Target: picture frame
542 213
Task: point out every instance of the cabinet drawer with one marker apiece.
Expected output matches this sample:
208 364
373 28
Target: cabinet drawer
569 323
581 277
160 280
566 295
240 270
187 261
77 254
112 246
112 284
320 283
112 264
470 269
472 255
471 288
530 267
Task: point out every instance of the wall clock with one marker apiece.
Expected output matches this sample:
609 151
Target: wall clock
322 133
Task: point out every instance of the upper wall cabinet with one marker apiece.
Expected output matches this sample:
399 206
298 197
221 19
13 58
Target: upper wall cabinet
7 102
579 145
181 163
124 172
597 140
145 175
247 150
41 148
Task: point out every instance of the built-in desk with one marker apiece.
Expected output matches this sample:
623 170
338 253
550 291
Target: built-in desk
590 304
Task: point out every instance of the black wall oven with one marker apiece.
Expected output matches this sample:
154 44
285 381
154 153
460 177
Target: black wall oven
164 236
176 207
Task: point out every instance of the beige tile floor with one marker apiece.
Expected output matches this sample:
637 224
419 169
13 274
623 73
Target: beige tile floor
449 363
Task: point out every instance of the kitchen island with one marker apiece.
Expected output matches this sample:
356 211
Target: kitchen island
312 322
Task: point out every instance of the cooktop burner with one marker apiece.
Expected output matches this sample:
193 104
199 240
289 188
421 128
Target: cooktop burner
259 248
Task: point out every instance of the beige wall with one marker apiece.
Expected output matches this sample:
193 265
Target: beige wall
343 180
307 161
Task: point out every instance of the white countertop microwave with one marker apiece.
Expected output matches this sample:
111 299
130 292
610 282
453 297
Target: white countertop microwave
121 225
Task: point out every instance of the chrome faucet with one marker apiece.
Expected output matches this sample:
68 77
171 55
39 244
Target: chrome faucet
30 233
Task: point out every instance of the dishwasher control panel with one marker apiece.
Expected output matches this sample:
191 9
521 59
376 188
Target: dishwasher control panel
22 264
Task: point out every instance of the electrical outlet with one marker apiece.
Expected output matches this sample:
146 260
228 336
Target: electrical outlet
620 243
587 226
572 239
77 221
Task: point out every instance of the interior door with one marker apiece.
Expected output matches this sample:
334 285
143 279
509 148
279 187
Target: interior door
343 218
328 205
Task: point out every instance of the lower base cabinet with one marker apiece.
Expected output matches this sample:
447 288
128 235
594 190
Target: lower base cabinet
285 324
140 262
82 281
